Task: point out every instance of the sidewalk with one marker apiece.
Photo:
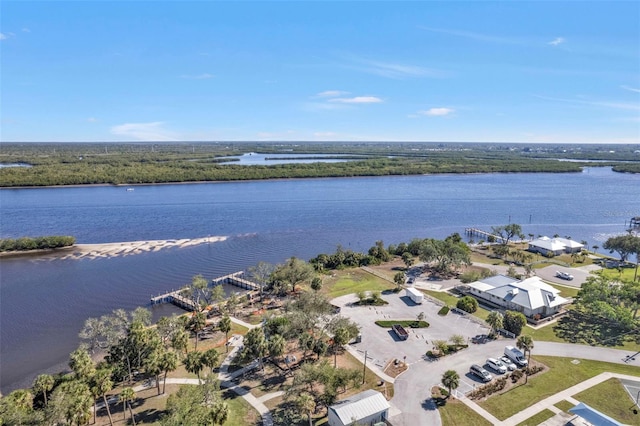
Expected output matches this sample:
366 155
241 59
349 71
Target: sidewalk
547 403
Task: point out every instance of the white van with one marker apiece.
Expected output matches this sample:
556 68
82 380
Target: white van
515 355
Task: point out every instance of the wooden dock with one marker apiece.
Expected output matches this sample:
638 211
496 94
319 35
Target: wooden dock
175 298
475 232
237 280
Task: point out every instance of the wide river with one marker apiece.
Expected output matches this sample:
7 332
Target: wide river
44 301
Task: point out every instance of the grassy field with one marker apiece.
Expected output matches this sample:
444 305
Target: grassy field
617 404
451 301
352 281
564 405
562 374
538 418
455 413
404 323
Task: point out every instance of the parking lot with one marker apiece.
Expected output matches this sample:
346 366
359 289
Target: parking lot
383 346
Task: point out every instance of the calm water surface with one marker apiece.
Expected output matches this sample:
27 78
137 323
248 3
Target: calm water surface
44 301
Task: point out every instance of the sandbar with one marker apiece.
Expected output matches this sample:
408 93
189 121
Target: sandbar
107 250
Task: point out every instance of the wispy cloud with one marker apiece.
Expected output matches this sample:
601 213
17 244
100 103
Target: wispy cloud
92 120
357 100
26 30
474 36
2 36
437 112
325 134
153 131
557 41
631 89
203 76
331 94
392 70
607 104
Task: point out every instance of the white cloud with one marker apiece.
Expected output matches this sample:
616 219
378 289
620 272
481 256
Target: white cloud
606 104
557 41
92 120
357 100
3 37
152 132
331 93
631 89
437 112
203 76
26 30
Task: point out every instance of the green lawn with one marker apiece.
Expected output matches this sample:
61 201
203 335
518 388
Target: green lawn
455 413
353 281
565 291
625 274
538 418
451 301
562 375
241 413
564 405
617 404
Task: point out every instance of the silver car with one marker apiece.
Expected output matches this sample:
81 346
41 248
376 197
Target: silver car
508 363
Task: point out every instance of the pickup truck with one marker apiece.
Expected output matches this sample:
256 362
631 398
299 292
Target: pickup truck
400 331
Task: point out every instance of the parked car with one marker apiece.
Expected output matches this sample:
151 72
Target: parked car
564 275
483 374
496 365
508 363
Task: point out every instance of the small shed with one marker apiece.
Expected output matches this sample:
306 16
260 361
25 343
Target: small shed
365 408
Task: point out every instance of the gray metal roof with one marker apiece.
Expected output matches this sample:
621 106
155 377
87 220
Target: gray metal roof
360 406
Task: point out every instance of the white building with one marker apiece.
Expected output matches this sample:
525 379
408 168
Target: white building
365 408
557 246
530 296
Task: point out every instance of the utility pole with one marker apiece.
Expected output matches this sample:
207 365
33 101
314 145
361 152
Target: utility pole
364 369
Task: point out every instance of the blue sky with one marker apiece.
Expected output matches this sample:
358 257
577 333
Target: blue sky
479 71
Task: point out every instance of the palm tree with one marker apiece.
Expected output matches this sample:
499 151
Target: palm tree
451 380
101 383
225 326
198 322
43 383
495 321
307 404
168 362
525 343
126 396
210 359
193 363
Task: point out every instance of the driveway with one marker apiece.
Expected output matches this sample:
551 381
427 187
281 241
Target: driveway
580 275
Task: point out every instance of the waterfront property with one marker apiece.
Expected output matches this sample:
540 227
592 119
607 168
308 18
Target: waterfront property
366 408
554 246
530 296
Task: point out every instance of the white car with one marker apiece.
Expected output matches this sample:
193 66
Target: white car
508 363
496 365
564 275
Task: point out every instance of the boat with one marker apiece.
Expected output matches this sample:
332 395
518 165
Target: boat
129 189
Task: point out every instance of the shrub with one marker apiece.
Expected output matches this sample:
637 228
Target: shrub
468 304
516 375
514 322
469 277
443 311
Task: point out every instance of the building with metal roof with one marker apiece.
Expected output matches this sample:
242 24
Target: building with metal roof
530 296
556 246
365 408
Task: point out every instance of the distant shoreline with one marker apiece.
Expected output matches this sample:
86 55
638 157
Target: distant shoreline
117 249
